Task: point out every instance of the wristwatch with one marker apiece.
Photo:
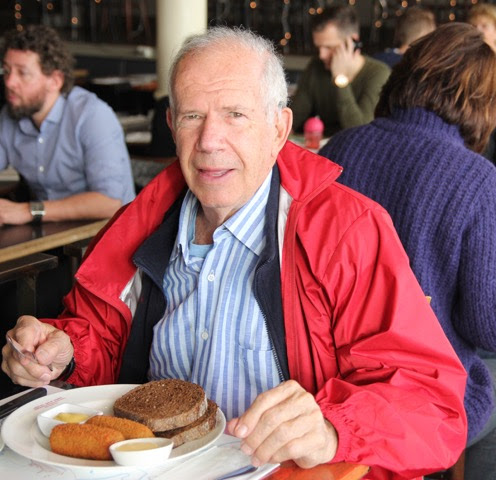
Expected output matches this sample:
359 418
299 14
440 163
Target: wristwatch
341 81
37 210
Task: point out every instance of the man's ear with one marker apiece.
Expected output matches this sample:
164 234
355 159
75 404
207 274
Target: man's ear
170 123
284 124
57 80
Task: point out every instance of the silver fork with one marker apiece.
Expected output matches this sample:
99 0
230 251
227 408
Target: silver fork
24 353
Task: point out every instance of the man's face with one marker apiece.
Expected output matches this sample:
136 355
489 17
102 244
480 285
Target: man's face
25 83
327 41
225 142
488 28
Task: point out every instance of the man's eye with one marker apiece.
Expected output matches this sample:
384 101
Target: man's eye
236 114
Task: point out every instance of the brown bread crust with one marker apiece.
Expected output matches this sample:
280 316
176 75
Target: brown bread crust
163 404
195 430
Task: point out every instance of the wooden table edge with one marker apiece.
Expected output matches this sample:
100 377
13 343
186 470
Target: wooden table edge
51 241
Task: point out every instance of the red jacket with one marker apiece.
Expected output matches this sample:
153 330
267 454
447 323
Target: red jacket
360 334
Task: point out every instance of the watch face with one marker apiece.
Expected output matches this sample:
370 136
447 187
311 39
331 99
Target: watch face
37 209
341 81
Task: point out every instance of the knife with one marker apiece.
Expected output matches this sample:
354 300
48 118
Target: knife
9 407
238 472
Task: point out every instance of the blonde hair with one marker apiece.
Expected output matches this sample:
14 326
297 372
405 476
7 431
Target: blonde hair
482 9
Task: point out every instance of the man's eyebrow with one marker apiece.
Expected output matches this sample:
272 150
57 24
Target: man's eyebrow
236 108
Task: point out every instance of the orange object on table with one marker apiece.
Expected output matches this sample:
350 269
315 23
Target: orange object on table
334 471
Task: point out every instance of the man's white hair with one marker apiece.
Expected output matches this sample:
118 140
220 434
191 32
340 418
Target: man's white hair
273 85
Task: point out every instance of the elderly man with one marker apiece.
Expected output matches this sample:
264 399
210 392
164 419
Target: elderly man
244 267
66 143
341 85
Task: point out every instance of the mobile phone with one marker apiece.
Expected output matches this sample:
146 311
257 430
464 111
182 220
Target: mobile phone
357 44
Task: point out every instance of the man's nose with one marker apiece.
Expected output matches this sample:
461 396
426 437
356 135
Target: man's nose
9 79
211 134
324 54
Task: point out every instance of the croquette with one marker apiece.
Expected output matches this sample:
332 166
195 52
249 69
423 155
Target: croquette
84 441
129 428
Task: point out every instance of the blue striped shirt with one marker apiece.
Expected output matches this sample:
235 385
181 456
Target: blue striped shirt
213 332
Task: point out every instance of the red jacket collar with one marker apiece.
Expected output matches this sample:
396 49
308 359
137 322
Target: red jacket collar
304 173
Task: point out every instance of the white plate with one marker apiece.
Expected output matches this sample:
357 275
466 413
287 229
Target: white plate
20 431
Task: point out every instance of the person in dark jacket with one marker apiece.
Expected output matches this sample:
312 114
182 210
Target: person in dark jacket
420 159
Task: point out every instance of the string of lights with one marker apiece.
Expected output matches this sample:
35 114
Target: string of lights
285 21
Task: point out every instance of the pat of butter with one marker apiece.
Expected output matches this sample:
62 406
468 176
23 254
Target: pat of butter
71 417
134 447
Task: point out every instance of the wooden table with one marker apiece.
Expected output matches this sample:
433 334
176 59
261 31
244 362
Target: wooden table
336 471
22 256
17 241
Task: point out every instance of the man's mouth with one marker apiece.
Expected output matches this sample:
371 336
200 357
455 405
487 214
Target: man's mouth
214 173
11 97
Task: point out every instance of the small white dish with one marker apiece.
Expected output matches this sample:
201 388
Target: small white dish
47 420
139 452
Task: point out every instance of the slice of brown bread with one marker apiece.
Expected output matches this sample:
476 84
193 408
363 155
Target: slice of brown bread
195 430
163 404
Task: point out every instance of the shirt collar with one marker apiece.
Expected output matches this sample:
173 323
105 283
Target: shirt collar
248 219
54 116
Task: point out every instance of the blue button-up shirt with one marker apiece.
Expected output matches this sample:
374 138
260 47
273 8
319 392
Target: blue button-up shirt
79 148
213 332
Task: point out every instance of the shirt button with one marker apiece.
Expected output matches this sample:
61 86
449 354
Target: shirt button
204 335
41 168
211 277
40 140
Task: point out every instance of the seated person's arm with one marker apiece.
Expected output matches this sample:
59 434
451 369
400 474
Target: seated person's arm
398 380
476 303
398 377
52 347
80 206
107 171
357 108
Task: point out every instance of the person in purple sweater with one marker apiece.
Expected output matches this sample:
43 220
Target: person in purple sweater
420 159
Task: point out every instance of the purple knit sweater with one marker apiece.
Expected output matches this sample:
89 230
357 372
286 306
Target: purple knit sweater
442 199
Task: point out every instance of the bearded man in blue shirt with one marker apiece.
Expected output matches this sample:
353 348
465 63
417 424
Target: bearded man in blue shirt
66 143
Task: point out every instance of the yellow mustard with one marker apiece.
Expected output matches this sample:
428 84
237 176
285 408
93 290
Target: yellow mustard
68 417
133 447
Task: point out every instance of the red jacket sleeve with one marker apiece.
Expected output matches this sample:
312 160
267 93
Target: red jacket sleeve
383 371
397 403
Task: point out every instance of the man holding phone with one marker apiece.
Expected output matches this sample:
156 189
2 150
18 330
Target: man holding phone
341 85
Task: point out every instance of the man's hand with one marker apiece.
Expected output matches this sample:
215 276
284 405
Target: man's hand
285 423
14 213
346 60
49 345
